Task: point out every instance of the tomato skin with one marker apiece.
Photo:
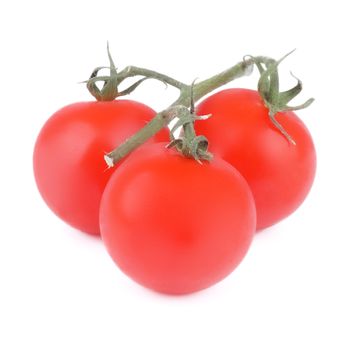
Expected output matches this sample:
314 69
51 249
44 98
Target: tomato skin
69 168
174 225
279 174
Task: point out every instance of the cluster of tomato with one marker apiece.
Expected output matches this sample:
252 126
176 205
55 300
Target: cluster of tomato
171 223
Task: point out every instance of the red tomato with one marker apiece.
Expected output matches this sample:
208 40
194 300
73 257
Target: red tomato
174 225
279 173
69 168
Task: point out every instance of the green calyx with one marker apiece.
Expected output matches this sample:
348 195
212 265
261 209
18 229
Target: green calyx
109 90
189 144
275 100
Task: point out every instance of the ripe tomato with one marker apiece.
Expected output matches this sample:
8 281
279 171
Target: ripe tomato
279 173
175 225
69 168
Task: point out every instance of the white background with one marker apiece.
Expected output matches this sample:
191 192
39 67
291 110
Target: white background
59 288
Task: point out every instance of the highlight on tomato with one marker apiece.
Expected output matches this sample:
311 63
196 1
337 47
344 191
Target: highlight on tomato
173 224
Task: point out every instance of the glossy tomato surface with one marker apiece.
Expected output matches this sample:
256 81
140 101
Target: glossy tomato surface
279 173
174 225
69 168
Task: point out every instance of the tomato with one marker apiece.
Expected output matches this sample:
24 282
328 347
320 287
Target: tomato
279 173
174 225
69 168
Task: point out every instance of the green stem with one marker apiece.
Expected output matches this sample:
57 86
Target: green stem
208 85
163 118
132 71
150 129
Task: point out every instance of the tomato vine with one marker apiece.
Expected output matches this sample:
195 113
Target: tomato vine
268 87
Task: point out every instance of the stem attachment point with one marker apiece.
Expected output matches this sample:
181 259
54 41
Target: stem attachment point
189 144
275 100
109 90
